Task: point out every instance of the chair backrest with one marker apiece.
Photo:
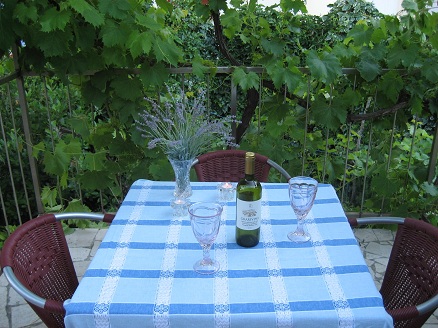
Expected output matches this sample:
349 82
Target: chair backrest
410 284
229 165
38 254
411 276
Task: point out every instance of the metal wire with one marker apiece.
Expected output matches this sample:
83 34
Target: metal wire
8 162
19 158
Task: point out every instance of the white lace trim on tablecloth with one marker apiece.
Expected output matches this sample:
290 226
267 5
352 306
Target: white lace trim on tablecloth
165 282
340 302
109 286
280 298
221 286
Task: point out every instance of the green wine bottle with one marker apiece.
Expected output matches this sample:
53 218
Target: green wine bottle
248 206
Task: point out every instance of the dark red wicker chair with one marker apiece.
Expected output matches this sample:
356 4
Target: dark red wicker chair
410 285
36 261
229 165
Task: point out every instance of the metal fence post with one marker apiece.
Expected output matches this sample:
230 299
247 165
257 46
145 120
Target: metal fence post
433 156
27 131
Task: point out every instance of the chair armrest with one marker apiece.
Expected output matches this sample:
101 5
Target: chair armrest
429 305
354 222
413 311
108 218
279 169
22 290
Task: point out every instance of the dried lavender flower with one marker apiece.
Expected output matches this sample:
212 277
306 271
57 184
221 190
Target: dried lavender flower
182 127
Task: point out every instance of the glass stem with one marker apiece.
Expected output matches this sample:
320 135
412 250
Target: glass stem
206 254
300 227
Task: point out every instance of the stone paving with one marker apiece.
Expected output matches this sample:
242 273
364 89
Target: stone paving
15 313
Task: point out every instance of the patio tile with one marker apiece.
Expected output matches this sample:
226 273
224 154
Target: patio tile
365 235
14 299
80 253
101 234
23 316
4 321
81 267
82 237
3 281
383 235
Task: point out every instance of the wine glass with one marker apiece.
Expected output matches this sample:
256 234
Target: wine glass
205 219
302 192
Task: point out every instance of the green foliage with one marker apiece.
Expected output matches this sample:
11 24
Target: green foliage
113 54
5 232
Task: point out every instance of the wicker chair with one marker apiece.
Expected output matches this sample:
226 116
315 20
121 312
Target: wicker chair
229 165
410 285
36 261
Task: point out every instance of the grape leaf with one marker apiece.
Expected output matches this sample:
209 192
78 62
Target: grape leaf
93 180
90 14
429 188
127 87
430 70
149 21
25 14
283 75
245 80
395 55
56 162
49 195
54 43
114 56
294 6
390 85
368 67
343 51
7 37
80 124
416 105
93 95
114 34
360 34
402 55
54 19
86 35
100 80
329 115
125 109
274 46
385 186
115 8
198 67
75 205
154 75
325 67
434 40
232 23
94 161
73 148
167 51
140 43
165 5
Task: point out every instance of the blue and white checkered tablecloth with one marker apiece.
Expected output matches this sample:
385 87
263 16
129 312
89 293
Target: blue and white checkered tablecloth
142 274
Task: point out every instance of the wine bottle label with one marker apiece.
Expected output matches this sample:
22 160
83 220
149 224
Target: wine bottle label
248 214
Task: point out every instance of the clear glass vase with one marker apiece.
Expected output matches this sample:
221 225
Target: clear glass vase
183 189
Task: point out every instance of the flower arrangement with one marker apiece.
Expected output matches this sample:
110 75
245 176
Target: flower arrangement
182 127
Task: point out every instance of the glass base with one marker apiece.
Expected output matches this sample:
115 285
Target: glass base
298 237
206 267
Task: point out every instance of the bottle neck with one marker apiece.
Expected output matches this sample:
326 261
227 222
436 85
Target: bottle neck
249 168
249 176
